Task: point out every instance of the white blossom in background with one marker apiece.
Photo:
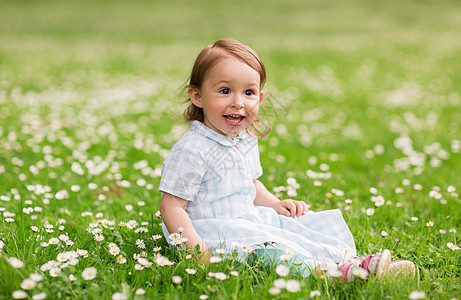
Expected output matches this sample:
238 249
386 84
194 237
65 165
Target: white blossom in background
280 283
190 271
415 295
452 246
315 293
119 296
220 276
282 270
274 291
28 284
36 277
19 294
176 279
140 291
215 259
163 261
55 271
360 273
131 224
16 263
293 286
39 296
63 194
89 273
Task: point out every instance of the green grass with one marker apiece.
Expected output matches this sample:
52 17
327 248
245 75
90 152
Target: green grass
95 83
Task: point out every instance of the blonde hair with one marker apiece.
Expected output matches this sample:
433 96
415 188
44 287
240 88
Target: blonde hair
209 57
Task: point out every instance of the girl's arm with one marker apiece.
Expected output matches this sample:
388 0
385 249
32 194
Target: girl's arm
173 210
287 207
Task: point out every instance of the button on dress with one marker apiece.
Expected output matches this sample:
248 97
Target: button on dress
215 174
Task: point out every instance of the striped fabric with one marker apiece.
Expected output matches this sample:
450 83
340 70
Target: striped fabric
215 174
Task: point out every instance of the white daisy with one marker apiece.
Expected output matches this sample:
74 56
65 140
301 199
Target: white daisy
62 257
274 291
140 244
220 276
39 296
140 291
19 294
16 262
118 296
282 270
114 250
280 283
176 279
28 284
131 224
36 277
293 286
89 273
54 272
215 259
191 271
121 259
99 237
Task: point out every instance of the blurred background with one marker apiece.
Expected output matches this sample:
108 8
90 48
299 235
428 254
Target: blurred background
162 38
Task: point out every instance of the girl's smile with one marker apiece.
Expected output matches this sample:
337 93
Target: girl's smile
234 120
229 96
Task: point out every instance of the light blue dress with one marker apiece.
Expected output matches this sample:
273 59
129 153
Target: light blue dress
215 174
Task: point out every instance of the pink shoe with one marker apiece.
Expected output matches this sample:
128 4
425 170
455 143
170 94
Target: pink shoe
376 265
346 269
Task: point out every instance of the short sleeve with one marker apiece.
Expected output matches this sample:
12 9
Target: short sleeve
182 172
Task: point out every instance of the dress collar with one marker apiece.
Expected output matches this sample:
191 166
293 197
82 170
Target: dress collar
201 128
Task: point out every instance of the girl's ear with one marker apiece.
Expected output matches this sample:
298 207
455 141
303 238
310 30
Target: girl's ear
261 96
194 95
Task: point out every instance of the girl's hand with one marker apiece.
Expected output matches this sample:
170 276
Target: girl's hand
291 208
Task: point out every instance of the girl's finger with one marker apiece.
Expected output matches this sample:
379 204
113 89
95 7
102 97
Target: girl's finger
304 208
284 211
300 208
292 208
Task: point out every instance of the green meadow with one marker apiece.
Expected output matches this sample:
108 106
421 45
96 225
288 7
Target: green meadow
364 102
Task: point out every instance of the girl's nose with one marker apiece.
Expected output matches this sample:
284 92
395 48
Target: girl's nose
237 102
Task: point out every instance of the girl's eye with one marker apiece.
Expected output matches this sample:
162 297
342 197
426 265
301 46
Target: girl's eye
249 93
224 91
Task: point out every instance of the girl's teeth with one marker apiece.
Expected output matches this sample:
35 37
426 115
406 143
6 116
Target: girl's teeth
233 118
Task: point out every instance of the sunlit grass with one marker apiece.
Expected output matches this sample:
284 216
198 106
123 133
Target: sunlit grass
364 105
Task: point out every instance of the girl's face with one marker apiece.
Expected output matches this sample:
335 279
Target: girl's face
229 96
